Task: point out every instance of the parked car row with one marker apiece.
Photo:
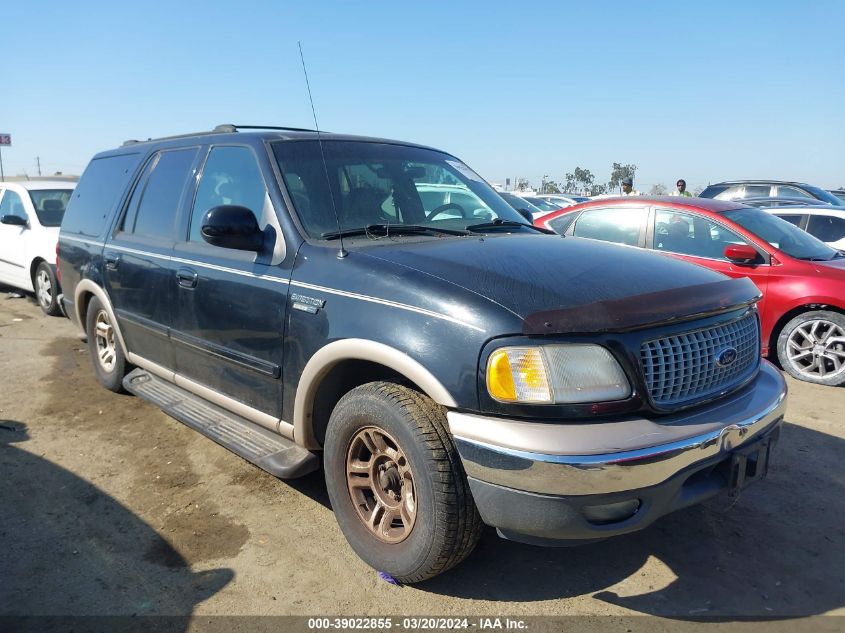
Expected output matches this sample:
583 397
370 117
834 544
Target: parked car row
289 294
740 189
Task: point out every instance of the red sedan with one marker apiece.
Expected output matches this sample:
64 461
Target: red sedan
802 279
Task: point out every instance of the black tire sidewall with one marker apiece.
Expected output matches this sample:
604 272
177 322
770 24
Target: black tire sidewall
400 559
113 380
786 332
53 309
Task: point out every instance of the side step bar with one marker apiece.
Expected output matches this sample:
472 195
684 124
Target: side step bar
270 451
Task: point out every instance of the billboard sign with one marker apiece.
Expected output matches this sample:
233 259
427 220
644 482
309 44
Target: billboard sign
5 139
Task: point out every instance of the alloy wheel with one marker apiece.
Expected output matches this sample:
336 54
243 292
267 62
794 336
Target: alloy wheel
44 289
816 349
106 351
381 484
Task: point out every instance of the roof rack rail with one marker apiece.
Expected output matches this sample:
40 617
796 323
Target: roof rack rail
224 128
229 127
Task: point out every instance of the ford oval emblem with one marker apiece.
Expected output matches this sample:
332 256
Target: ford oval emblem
726 357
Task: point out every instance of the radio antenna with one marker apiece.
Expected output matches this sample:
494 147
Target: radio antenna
342 252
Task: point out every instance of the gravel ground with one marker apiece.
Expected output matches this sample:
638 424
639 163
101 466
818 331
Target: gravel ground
108 506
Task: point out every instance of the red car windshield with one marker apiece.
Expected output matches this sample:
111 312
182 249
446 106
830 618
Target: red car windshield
782 235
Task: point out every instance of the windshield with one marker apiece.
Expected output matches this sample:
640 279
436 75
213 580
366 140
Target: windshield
383 183
50 205
821 194
781 234
516 202
543 205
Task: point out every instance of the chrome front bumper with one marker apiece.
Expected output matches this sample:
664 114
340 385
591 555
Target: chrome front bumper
584 458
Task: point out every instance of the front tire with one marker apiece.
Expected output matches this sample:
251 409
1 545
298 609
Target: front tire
108 357
396 483
811 347
47 289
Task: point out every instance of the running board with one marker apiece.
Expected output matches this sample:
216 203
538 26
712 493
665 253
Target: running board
270 451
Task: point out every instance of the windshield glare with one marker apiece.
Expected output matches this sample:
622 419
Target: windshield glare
543 205
383 183
781 234
50 205
518 202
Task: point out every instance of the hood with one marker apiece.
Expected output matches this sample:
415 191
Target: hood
834 267
529 274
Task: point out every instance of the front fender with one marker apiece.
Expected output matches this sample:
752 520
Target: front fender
356 349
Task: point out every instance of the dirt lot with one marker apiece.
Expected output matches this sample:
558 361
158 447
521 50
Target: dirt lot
107 506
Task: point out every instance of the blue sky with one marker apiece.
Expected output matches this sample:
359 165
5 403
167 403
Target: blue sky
705 91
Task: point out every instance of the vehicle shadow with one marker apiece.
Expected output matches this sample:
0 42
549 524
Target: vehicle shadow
777 551
12 294
70 549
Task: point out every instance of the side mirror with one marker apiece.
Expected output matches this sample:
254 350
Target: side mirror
14 220
232 226
525 213
741 254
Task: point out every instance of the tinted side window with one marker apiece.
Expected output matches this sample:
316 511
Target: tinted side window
231 176
621 225
98 191
12 204
793 192
757 191
161 194
827 228
792 219
128 221
688 234
729 193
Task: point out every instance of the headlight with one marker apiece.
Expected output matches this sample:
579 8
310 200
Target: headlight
560 374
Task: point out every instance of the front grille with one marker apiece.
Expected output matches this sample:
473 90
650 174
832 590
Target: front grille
684 367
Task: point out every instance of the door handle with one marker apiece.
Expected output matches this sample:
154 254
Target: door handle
112 261
187 278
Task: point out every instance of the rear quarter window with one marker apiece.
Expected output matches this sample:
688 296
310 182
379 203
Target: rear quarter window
98 192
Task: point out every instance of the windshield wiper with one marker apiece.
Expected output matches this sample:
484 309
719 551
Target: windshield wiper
499 223
383 230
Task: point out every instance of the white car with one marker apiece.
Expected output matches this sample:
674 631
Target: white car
563 200
824 222
30 215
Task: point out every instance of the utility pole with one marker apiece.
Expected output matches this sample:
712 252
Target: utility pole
5 139
38 161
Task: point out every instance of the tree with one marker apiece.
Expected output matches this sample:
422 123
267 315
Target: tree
579 180
522 184
658 190
619 173
598 190
550 186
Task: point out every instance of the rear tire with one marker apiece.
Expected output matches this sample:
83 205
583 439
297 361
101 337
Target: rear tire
811 347
46 289
412 515
108 356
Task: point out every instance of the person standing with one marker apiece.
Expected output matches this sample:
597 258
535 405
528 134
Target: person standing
628 187
681 189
